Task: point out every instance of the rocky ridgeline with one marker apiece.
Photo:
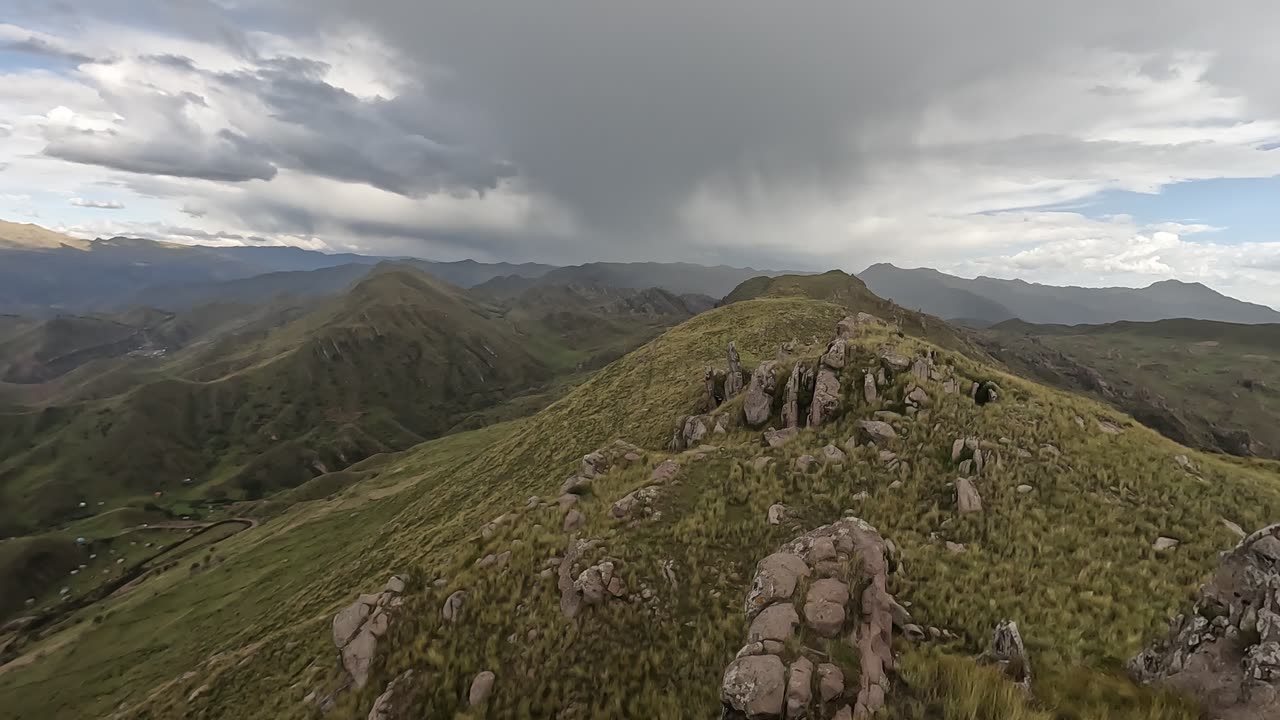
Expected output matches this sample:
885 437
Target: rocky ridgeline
810 394
1226 651
834 582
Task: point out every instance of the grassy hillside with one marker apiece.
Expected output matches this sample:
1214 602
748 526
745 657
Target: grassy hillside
1207 384
1070 559
852 294
393 362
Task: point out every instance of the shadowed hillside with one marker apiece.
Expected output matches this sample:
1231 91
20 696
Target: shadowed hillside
1012 501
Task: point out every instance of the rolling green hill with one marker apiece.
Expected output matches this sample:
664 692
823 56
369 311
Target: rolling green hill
1069 557
1210 385
393 362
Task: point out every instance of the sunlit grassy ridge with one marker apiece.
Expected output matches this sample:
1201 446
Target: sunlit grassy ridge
1070 561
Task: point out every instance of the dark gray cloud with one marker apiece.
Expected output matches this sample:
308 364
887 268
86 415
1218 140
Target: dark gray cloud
623 111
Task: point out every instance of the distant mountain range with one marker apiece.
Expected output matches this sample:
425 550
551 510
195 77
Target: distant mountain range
43 273
985 301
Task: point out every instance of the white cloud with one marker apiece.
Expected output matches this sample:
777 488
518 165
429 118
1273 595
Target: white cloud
97 204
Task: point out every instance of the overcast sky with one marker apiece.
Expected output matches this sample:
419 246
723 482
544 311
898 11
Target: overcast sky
1093 142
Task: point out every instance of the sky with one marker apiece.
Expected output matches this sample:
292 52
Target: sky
1090 143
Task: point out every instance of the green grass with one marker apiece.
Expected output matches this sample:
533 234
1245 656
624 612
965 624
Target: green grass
1071 562
1186 378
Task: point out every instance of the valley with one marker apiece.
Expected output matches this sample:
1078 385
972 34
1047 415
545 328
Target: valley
546 465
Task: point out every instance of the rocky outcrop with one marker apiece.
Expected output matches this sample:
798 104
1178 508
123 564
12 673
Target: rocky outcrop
773 676
1225 652
778 438
692 429
452 609
836 354
733 377
481 688
854 326
636 504
870 392
826 397
967 498
757 406
796 383
876 431
618 453
357 627
384 706
1008 652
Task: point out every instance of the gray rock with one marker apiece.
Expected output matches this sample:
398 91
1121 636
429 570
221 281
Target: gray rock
778 514
778 438
666 471
878 432
1024 489
824 605
799 687
481 688
920 398
830 682
357 656
835 355
869 392
804 463
826 397
384 705
776 622
733 378
635 503
894 363
755 686
1010 654
791 396
775 580
757 406
833 454
1163 543
967 498
452 609
574 520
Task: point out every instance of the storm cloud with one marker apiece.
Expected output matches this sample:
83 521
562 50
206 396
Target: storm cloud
969 136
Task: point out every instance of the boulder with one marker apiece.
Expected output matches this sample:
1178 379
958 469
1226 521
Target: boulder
755 686
894 363
452 609
830 682
791 396
757 406
826 397
776 622
804 463
357 656
835 355
733 378
384 706
919 397
778 438
664 472
576 485
877 431
854 326
824 606
869 392
954 548
481 688
799 687
348 622
833 454
778 514
967 498
1024 489
635 503
921 368
775 580
573 520
1163 543
1010 654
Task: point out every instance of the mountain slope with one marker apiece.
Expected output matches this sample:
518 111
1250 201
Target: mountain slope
396 360
851 293
992 300
1070 559
1210 385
